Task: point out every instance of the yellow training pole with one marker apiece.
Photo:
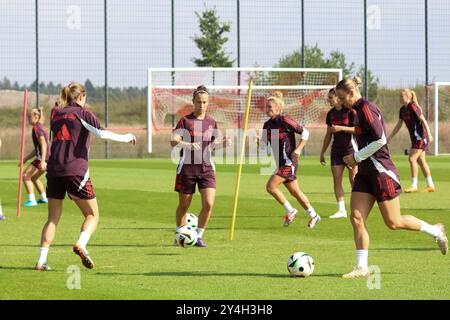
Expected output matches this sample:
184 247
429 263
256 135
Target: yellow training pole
238 180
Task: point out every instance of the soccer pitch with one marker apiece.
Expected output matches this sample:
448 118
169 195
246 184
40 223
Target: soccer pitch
135 257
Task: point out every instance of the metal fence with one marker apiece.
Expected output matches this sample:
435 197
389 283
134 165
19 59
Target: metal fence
45 43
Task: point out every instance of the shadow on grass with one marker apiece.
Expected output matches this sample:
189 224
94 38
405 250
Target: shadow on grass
403 249
16 268
92 245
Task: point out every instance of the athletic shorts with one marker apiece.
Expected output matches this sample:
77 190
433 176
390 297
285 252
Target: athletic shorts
37 164
420 144
75 186
337 156
186 183
289 173
380 185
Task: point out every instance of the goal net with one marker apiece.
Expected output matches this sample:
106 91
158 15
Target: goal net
441 118
304 92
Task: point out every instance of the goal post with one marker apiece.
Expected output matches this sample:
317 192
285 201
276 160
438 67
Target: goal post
170 90
441 117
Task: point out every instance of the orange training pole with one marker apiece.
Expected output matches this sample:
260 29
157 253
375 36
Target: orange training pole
22 150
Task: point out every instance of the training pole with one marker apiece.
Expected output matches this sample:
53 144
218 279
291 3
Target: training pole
242 157
22 149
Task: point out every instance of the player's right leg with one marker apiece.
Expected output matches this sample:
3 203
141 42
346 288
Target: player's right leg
48 232
426 172
27 175
272 189
413 156
361 203
89 209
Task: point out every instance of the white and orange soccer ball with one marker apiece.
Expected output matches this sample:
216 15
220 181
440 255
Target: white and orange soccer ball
300 264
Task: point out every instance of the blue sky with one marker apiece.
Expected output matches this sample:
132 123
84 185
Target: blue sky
139 36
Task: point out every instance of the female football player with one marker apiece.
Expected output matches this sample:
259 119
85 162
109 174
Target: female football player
340 129
280 132
377 179
67 169
196 135
420 135
41 151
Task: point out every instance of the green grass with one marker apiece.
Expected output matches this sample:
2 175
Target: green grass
135 258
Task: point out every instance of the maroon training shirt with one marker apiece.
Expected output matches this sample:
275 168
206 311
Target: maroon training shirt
71 141
369 127
410 115
344 117
38 131
280 133
203 132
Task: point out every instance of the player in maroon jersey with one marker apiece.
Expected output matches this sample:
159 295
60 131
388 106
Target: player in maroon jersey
420 135
377 179
340 129
67 169
41 152
280 132
197 136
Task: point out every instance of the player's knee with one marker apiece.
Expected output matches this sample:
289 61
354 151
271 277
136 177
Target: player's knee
26 177
208 205
393 224
357 221
270 189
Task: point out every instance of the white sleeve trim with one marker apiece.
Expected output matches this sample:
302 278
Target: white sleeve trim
370 149
305 134
106 134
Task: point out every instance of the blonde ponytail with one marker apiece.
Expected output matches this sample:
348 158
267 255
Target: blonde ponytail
348 85
71 93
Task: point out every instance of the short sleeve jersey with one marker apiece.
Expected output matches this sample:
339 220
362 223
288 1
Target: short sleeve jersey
280 133
194 130
40 131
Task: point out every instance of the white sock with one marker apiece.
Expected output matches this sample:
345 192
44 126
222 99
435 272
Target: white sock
341 206
414 182
362 257
311 212
43 197
287 206
433 231
429 181
200 232
31 197
43 256
84 238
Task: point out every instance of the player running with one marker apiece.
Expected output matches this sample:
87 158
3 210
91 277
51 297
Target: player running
41 151
280 132
377 179
67 169
340 128
197 135
420 135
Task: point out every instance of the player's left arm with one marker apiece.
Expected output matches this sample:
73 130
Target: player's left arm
91 124
345 129
302 131
427 127
373 122
43 144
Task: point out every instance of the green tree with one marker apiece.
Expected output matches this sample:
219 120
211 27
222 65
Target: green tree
212 40
315 58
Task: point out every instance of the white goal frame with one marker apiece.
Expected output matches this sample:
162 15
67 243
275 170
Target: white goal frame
151 71
436 116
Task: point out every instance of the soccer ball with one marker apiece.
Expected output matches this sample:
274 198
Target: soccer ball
300 264
192 220
186 236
